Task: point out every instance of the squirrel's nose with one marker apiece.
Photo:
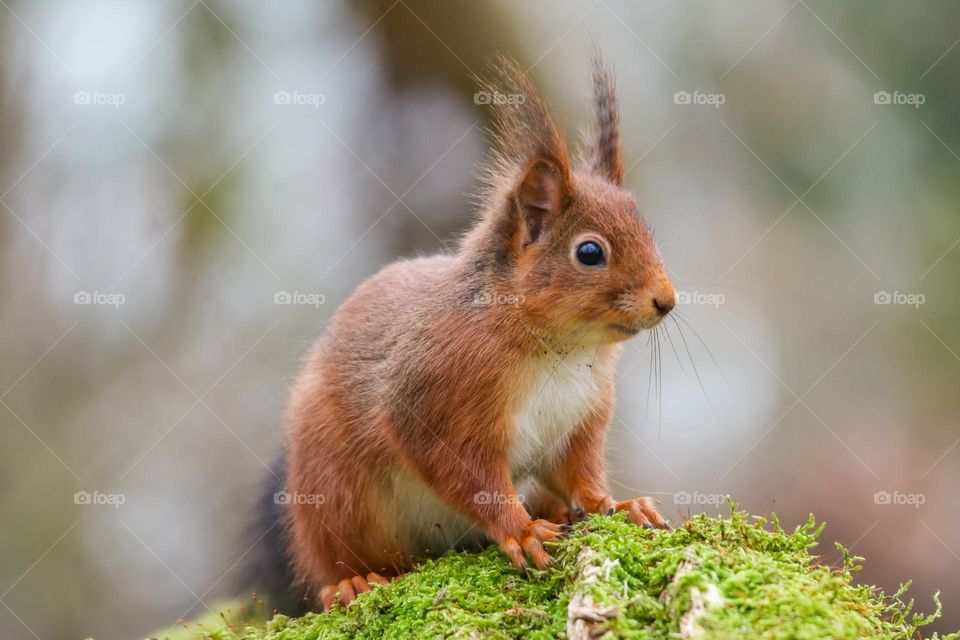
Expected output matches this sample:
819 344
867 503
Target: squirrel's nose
665 299
663 305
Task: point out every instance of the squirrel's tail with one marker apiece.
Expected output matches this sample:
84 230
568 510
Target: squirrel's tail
267 569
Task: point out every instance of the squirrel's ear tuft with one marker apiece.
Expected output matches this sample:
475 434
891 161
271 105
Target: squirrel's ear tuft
523 130
602 153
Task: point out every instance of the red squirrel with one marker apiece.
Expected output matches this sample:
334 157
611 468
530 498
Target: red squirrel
462 398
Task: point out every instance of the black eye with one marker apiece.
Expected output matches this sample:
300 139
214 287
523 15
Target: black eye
590 253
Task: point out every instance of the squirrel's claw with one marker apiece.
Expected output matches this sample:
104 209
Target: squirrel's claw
534 548
347 590
643 512
342 592
513 549
530 543
377 578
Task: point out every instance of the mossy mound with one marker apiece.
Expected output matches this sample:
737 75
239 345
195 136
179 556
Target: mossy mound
710 578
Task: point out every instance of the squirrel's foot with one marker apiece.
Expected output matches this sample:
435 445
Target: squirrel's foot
530 543
547 505
347 590
642 511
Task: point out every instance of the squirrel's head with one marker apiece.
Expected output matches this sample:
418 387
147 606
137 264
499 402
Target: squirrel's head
568 243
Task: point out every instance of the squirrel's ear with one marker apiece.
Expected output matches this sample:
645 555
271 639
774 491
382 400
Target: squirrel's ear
529 163
523 131
603 155
539 198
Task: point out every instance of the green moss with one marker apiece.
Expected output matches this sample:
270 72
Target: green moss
710 578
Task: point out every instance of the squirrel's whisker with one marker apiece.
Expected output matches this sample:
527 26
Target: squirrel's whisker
707 349
666 330
696 372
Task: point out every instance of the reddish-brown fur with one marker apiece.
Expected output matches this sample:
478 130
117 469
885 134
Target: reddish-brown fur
415 403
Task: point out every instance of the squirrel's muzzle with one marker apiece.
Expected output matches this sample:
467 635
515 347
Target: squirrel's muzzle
664 298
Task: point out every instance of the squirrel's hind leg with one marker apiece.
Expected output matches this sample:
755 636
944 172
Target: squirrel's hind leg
542 503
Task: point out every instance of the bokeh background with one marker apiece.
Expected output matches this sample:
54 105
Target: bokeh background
168 168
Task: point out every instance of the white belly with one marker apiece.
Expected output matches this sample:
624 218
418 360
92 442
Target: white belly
425 523
564 392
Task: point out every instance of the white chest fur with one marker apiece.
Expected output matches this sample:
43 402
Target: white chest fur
565 388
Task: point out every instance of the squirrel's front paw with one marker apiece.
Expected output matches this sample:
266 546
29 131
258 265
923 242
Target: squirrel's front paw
530 543
642 512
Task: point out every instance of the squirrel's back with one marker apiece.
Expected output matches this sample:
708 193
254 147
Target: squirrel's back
373 333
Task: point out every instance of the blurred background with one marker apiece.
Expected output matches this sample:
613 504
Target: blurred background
188 190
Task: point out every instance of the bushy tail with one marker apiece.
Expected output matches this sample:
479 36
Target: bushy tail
267 570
